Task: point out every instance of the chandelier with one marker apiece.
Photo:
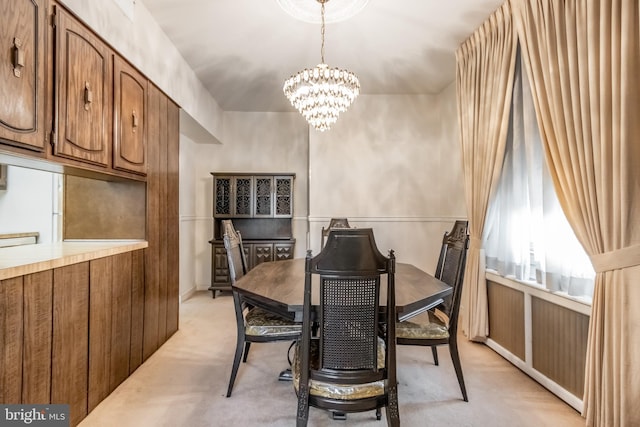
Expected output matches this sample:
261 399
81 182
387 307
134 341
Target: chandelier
322 93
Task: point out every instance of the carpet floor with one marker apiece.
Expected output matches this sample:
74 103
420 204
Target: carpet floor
184 385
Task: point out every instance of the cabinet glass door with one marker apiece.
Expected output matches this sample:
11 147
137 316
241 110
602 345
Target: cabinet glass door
222 196
283 196
242 196
264 196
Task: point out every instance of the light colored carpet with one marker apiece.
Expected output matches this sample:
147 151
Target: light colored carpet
184 385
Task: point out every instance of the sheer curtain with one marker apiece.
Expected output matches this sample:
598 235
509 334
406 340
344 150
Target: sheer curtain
527 236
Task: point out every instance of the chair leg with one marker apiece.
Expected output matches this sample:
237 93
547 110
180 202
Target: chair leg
303 406
434 351
392 411
455 358
246 351
236 364
378 414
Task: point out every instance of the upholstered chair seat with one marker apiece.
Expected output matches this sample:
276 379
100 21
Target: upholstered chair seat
437 327
259 322
337 391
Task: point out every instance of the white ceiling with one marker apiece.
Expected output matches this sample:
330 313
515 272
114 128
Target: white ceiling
243 50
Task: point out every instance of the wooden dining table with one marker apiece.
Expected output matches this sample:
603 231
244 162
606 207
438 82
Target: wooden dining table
278 286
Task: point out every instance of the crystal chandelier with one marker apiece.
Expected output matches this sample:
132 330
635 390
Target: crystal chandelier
322 93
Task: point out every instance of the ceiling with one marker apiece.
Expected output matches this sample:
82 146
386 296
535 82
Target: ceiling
243 50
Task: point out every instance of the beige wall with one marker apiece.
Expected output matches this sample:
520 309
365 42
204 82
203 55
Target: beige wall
253 142
391 163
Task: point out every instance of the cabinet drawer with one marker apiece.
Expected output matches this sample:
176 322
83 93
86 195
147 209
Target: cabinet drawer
283 251
262 252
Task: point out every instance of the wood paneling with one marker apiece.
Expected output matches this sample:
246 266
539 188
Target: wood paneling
120 319
65 334
154 205
173 217
69 365
559 344
162 256
506 318
137 309
38 315
162 235
100 313
11 295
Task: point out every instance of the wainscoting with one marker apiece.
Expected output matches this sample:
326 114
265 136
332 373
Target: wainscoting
543 334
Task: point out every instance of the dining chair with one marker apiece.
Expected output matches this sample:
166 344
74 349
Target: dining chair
254 324
345 361
442 325
333 223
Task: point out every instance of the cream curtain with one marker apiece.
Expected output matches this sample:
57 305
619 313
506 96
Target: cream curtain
583 60
484 82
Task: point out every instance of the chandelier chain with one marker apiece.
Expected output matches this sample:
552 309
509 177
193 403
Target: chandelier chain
322 34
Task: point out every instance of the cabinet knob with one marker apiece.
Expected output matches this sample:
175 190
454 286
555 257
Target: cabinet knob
18 57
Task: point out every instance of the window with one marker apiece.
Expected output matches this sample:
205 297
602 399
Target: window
527 237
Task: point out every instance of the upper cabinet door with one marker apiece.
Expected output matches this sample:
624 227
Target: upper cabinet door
263 196
243 200
130 118
83 76
22 73
283 196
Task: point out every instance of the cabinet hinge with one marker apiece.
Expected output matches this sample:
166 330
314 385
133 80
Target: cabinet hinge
53 17
52 138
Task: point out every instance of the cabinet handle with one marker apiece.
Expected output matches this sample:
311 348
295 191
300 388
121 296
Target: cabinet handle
134 116
18 57
88 95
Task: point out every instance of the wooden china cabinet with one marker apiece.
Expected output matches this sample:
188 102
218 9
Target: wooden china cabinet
261 208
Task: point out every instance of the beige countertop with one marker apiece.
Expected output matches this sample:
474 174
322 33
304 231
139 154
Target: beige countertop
20 260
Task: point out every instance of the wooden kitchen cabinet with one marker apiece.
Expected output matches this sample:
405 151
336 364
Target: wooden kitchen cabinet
71 334
114 332
129 118
25 338
70 341
83 104
162 257
11 340
261 208
22 74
